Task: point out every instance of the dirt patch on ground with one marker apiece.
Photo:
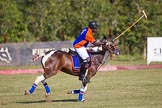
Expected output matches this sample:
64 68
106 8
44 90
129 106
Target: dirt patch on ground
110 68
103 68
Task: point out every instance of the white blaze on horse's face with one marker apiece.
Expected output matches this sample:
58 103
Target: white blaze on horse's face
97 49
5 55
45 58
108 43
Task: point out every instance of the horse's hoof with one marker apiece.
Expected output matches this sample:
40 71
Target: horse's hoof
69 92
48 99
26 92
83 100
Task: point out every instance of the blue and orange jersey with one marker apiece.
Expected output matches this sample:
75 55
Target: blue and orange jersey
84 38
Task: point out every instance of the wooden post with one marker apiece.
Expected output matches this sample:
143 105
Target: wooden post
4 38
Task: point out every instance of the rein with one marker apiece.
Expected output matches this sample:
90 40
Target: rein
100 66
105 58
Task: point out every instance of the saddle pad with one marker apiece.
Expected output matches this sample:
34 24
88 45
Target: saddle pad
76 62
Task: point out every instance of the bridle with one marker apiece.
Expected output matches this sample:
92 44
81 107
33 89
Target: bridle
107 50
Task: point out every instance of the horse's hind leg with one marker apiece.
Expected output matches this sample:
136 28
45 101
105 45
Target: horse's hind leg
47 90
36 82
46 87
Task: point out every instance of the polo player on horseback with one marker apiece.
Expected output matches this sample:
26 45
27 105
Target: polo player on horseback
80 44
55 60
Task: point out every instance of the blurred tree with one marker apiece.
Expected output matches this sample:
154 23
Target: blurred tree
55 20
11 22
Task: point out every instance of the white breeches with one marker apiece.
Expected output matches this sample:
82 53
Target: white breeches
82 52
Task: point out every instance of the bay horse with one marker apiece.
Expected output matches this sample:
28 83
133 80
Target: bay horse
56 60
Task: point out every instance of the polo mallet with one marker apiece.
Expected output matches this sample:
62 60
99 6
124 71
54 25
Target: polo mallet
144 15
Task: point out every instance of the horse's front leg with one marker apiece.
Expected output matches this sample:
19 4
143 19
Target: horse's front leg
80 92
83 88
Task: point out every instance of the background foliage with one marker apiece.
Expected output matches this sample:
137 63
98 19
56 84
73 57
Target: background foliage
59 20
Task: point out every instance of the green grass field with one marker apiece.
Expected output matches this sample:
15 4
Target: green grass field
115 89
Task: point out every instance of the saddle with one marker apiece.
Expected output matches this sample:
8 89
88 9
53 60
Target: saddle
73 52
76 59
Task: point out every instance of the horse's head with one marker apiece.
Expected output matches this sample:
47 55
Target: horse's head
110 46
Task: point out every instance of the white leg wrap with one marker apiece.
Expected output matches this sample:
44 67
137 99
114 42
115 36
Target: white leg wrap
39 79
83 88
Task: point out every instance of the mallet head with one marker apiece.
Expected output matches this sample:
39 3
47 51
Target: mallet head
144 14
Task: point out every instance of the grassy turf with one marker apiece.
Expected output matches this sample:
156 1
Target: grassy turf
116 89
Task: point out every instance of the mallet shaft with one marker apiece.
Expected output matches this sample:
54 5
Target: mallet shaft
128 28
144 15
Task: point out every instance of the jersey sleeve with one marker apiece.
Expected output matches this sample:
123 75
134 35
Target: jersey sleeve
89 37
